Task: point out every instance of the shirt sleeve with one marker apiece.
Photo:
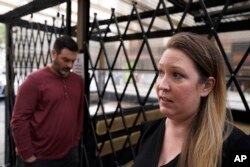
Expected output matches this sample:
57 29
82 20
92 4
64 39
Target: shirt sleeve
25 106
80 114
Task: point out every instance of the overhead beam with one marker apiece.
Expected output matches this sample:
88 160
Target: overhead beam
232 11
29 8
41 27
172 10
204 29
211 3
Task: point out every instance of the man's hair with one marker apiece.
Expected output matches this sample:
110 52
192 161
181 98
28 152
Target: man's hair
65 42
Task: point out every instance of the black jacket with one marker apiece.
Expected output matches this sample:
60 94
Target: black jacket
149 146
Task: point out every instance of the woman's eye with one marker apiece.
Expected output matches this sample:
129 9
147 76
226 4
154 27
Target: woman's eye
177 75
160 73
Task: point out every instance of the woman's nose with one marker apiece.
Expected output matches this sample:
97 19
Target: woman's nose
164 83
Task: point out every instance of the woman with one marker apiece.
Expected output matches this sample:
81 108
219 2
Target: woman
191 90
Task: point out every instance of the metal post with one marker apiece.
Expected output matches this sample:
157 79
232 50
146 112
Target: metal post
68 18
10 98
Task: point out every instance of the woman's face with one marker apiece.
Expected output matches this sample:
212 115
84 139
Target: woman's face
178 88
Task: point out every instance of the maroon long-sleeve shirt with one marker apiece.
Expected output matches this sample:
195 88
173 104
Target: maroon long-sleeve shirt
48 115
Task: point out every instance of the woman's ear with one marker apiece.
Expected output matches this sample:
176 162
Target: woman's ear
207 86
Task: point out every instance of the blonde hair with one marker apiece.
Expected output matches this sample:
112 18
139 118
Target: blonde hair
203 146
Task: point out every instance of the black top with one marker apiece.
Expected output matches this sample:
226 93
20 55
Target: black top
149 145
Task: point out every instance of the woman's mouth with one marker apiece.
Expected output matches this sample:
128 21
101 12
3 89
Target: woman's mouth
165 99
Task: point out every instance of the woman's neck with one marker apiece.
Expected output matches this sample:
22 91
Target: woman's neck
177 129
174 137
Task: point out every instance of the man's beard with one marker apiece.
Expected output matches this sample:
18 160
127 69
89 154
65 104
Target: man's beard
64 72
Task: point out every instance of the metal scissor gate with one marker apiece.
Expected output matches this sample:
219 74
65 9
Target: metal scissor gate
120 67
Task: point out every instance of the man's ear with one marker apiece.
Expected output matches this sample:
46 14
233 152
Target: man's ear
53 53
207 86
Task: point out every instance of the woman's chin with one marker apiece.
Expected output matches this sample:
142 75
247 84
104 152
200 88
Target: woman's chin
167 112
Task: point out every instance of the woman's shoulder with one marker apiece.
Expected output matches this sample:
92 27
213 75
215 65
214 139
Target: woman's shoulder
151 130
152 125
150 139
237 140
236 144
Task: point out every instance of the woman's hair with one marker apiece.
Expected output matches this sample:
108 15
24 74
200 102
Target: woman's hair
203 146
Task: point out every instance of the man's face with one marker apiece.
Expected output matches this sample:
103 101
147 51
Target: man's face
63 62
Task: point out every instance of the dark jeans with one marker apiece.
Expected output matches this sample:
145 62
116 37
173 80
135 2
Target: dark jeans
70 160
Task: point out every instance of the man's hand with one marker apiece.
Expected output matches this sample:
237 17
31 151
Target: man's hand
30 159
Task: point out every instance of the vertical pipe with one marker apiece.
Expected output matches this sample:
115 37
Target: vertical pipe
9 101
68 18
85 42
82 41
85 38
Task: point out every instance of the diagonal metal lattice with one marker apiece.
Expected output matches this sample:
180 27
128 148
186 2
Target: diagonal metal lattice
102 69
123 68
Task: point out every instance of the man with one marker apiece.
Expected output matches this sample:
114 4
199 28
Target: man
48 112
